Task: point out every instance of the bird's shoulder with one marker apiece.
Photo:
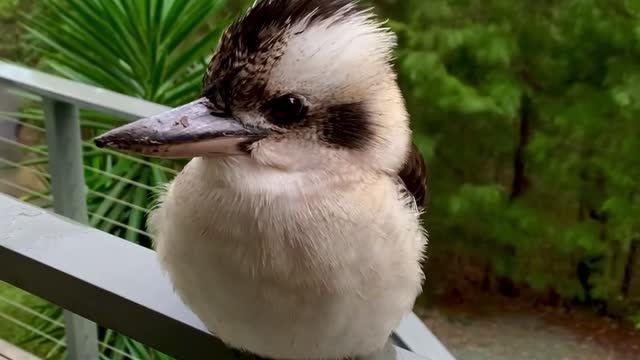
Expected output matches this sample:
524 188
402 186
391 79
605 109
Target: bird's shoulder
413 176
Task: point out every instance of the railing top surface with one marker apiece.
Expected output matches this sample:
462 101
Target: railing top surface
115 283
82 95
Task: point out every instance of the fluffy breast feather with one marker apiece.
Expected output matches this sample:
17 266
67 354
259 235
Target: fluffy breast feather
319 275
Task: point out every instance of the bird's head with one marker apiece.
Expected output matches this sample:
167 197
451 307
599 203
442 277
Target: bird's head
293 84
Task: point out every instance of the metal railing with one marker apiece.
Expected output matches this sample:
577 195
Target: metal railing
71 265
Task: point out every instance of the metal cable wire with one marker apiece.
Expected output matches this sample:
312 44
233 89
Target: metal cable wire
23 123
25 167
118 351
92 192
92 146
32 329
86 167
120 178
30 311
132 158
26 190
53 350
23 146
58 343
114 222
111 198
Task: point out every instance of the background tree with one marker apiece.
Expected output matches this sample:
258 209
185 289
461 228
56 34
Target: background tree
527 111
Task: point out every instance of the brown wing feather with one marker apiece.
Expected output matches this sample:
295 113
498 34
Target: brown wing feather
414 176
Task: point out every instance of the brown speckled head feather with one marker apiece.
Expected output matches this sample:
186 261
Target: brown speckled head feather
254 42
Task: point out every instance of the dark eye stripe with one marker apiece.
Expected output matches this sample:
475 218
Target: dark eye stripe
348 125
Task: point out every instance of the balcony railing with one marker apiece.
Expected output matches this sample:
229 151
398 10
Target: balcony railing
64 261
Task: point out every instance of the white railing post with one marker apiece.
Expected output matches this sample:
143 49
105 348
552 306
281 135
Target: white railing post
64 142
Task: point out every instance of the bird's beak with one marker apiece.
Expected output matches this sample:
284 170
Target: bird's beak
184 132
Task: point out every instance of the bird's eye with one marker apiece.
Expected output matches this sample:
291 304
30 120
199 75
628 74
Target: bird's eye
286 110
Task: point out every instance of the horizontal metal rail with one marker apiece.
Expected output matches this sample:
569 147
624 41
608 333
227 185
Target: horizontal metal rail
82 95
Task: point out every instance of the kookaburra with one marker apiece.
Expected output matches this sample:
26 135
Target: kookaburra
294 232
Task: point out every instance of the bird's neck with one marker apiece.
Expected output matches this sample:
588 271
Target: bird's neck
246 176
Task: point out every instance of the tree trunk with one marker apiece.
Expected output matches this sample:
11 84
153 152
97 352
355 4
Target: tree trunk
631 282
520 181
506 286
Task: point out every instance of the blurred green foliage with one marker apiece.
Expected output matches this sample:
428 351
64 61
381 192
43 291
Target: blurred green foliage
528 112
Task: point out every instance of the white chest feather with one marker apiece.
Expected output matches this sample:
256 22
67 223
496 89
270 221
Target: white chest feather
287 270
